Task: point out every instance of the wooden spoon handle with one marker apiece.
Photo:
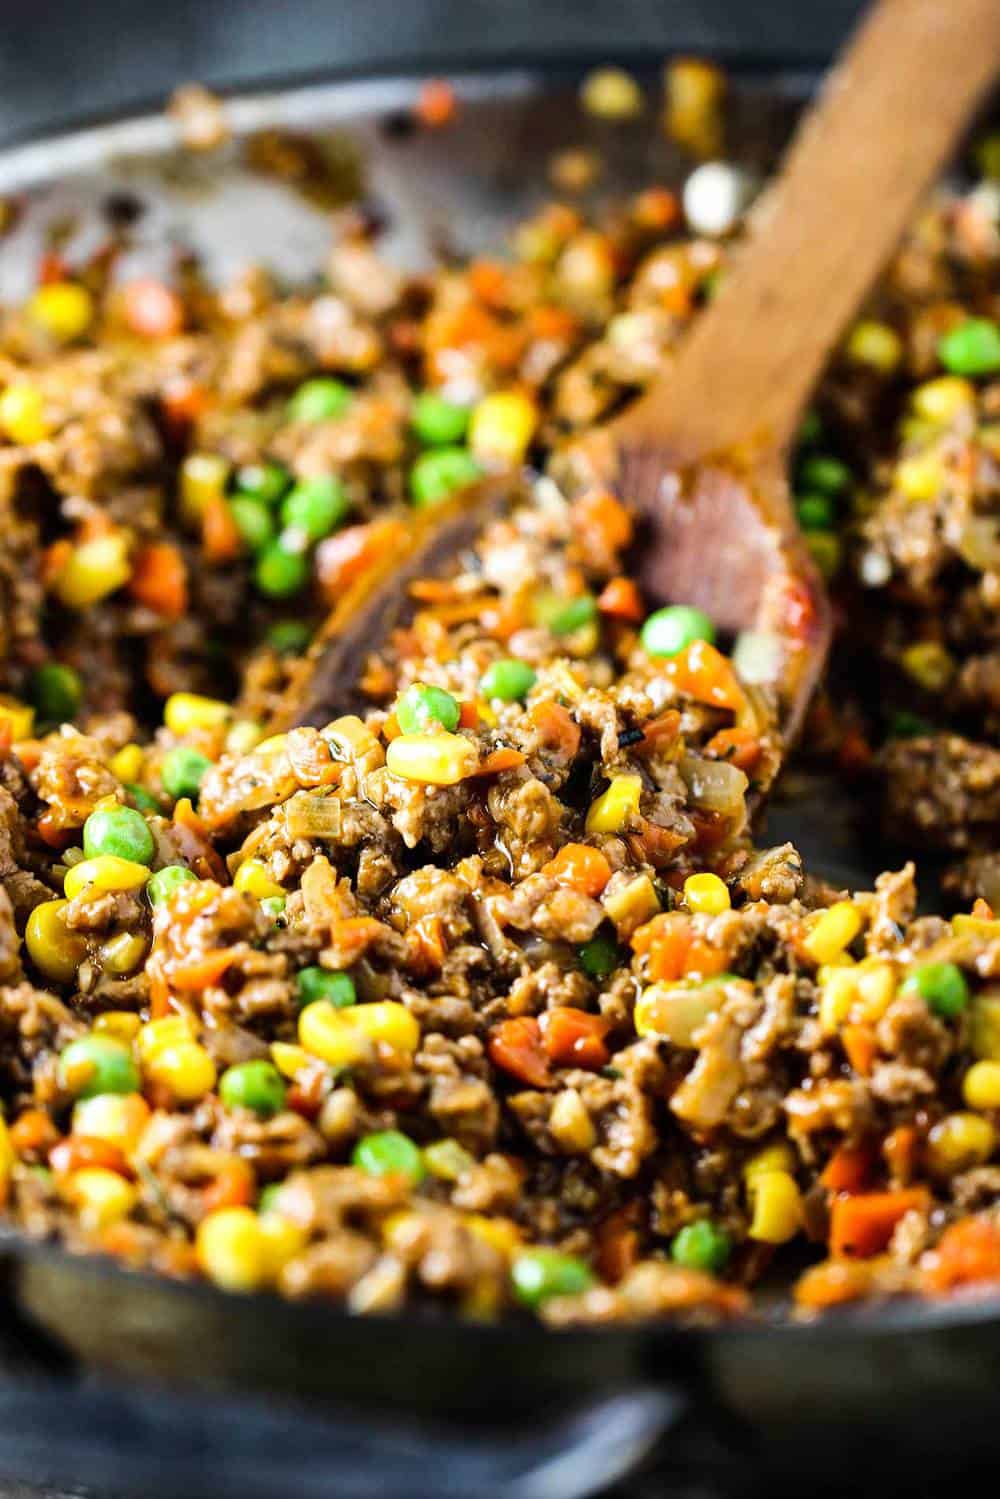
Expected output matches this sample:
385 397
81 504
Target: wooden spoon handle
888 117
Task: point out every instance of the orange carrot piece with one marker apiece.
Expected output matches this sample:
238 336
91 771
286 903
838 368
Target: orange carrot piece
601 518
498 760
968 1255
617 1245
621 598
900 1151
219 534
232 1187
205 971
556 729
738 746
82 1151
515 1046
33 1133
849 1168
468 716
704 673
863 1225
436 104
575 1038
159 580
581 866
982 910
861 1048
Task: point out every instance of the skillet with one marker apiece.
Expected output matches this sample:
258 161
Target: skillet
134 1384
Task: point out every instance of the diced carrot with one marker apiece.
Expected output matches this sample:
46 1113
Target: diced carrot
81 1151
352 936
426 941
548 321
159 580
233 1186
581 866
345 557
704 960
52 267
205 971
468 716
900 1151
863 1225
660 730
515 1046
52 834
575 1038
219 534
657 208
833 1283
152 309
502 617
500 759
860 1047
664 942
33 1133
982 910
601 518
849 1168
654 845
620 597
94 524
617 1245
391 729
704 673
557 730
306 1094
54 559
489 280
182 402
738 746
159 989
436 104
968 1255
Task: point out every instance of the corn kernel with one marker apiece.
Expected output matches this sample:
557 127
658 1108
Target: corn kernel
502 426
290 1060
611 94
55 950
985 1016
919 478
22 414
103 873
127 763
777 1208
486 714
675 1012
187 1070
929 664
981 1086
777 1157
958 1142
243 737
876 985
632 905
706 894
20 717
281 1240
101 1197
940 401
63 308
119 1118
189 712
253 879
617 808
123 1025
202 477
875 344
500 1233
571 1126
329 1033
432 759
838 992
231 1250
388 1022
447 1160
833 930
273 745
8 1155
159 1035
122 953
94 569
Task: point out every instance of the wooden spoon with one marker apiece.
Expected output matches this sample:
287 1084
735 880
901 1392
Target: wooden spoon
702 455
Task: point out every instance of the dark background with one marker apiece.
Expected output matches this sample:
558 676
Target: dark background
65 61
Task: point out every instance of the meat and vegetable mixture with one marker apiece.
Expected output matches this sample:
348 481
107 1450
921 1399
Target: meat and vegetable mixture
485 995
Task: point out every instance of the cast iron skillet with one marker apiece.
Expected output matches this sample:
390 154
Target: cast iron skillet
132 1383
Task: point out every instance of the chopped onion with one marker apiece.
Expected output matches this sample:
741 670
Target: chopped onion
314 816
714 784
757 656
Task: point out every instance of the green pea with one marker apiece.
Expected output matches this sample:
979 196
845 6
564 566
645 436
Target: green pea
439 473
599 957
819 473
701 1246
269 1198
253 521
144 800
816 512
509 680
257 1086
436 421
315 506
164 882
183 770
669 630
825 550
98 1064
319 400
289 637
56 692
265 482
280 573
274 906
389 1153
121 831
565 616
811 430
973 348
907 725
421 707
539 1274
942 987
319 983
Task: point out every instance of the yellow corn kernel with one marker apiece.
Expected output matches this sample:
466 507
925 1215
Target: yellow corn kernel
159 1035
388 1022
832 931
617 807
8 1155
281 1240
929 664
123 1025
243 736
919 478
100 1196
571 1126
187 712
777 1157
958 1142
63 308
105 872
432 759
985 1013
253 879
290 1060
187 1070
55 950
875 344
502 426
706 894
122 954
94 569
231 1250
22 414
838 992
981 1085
447 1160
611 94
875 980
119 1118
274 745
19 715
500 1233
127 763
486 714
777 1208
675 1012
202 477
940 401
329 1034
632 905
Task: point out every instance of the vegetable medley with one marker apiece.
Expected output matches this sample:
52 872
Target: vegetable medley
486 994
